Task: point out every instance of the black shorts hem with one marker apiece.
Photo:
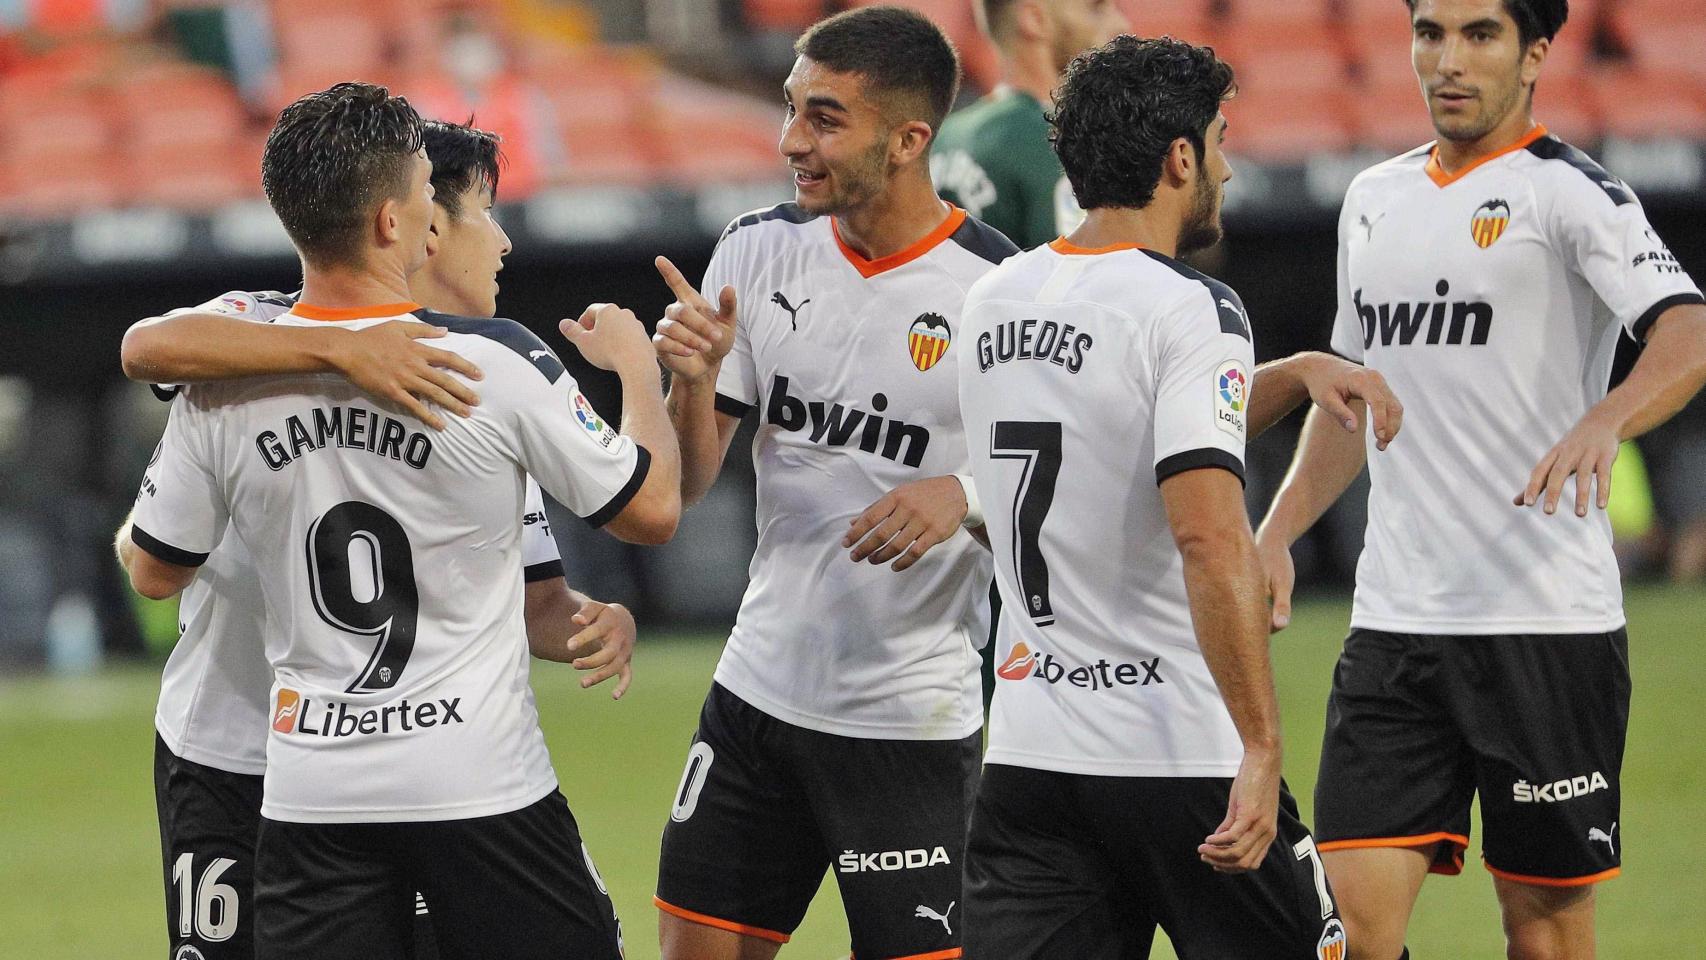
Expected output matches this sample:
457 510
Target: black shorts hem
706 920
1447 860
1533 881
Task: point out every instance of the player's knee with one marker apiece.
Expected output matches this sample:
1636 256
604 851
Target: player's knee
1371 933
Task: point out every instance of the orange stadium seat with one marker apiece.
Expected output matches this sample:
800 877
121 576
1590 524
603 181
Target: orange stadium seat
1670 46
1391 117
350 40
72 183
1186 20
782 15
1278 22
1269 126
292 82
1644 103
45 127
1566 104
614 153
177 104
1313 62
194 177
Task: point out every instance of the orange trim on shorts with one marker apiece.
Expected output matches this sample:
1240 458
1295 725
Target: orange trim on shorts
1437 173
728 925
308 311
1552 881
1450 868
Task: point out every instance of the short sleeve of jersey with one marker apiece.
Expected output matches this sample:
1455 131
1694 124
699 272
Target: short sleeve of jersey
181 512
565 445
1347 340
737 380
1604 235
260 306
1202 360
540 559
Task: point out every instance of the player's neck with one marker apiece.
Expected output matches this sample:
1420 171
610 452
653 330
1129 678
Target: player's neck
1031 71
894 219
1154 228
366 286
1454 155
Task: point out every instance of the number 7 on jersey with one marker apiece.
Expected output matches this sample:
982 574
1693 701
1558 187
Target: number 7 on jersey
1037 444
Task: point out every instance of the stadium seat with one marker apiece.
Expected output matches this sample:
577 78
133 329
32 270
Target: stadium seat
787 16
40 127
707 134
68 185
1646 103
1566 104
177 104
1186 20
1391 117
1673 46
350 40
1278 23
194 177
607 153
1311 63
1270 126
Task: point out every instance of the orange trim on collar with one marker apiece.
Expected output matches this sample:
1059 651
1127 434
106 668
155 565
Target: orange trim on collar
308 311
1437 174
1063 245
870 268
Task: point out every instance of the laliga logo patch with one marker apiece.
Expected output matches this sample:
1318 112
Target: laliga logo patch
590 419
928 340
1019 664
1231 396
1489 223
238 304
1331 946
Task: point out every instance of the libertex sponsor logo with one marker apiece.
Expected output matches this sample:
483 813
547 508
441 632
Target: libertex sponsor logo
295 714
1022 664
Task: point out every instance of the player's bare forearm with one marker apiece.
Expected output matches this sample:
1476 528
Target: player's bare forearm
1223 580
198 347
548 608
1671 371
1275 390
149 575
702 432
656 508
1328 459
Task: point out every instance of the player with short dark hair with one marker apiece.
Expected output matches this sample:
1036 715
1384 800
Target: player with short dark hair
1133 776
404 751
1488 275
841 732
210 753
993 156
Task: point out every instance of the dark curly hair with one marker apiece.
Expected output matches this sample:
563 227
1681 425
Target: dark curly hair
1121 107
901 55
333 157
1534 18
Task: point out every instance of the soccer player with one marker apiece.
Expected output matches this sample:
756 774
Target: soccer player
1487 275
1133 776
993 157
211 720
404 752
841 731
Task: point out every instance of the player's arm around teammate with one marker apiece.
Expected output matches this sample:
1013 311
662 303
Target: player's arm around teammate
1672 369
387 361
567 626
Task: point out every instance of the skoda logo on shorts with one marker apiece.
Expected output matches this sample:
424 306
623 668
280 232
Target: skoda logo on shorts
188 952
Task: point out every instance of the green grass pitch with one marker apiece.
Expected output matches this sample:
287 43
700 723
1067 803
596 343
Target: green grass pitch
79 851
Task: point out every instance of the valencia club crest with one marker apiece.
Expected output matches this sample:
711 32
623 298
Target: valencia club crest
1489 223
928 339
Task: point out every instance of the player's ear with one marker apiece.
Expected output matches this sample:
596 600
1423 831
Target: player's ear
1181 160
911 142
387 224
1533 59
1032 20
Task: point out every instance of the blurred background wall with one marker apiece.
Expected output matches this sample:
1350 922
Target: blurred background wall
130 137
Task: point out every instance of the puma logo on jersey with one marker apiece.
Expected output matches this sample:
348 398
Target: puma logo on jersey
1368 224
1399 324
835 425
926 913
536 355
1601 836
793 311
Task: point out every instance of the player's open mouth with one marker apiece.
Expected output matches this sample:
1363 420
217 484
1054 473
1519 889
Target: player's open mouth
804 179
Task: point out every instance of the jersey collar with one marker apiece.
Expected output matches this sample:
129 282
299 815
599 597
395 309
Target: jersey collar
1437 174
870 268
1063 245
308 311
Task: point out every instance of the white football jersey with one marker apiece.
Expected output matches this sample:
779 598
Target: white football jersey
215 688
390 560
1090 377
850 366
1491 301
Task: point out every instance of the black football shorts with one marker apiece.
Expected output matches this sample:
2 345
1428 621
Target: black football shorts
1064 866
517 885
1417 725
765 808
